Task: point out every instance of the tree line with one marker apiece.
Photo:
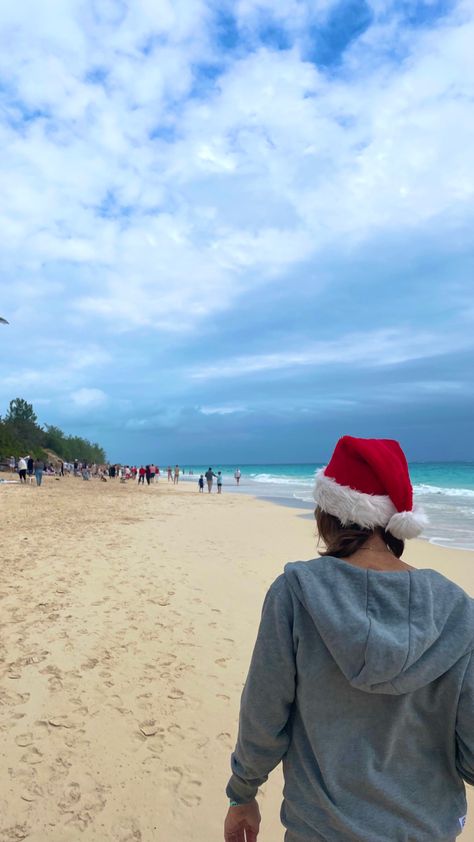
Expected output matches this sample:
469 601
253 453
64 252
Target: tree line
20 434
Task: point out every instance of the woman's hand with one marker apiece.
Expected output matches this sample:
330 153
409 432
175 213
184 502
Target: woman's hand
242 823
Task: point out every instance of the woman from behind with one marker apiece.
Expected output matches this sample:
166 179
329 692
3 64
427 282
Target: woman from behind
362 676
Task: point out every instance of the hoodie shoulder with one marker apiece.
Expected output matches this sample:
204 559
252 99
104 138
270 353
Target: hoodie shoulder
388 631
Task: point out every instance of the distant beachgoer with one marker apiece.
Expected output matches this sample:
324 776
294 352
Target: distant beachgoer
201 483
362 675
12 464
22 468
237 475
141 475
148 474
85 471
61 469
157 474
76 468
38 468
176 475
219 482
152 472
209 478
30 465
169 473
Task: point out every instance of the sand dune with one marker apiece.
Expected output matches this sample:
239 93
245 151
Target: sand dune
129 615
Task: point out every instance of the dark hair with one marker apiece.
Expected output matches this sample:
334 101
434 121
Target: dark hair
342 541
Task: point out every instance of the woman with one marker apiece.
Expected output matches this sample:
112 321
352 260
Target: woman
362 676
39 467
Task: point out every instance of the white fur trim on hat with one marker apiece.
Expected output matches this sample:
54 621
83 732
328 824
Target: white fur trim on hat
350 506
407 524
366 510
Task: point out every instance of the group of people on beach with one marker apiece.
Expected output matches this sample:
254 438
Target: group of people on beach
30 469
210 476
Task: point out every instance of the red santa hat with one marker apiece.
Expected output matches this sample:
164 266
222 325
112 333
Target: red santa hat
367 483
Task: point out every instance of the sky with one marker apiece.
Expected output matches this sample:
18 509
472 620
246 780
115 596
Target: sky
234 231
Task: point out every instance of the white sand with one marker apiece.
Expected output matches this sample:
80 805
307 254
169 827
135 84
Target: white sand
129 616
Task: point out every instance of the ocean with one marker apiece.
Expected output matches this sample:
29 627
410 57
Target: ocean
444 489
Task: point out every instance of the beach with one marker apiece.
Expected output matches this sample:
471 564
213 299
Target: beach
129 615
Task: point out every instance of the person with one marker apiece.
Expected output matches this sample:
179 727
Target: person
86 474
176 475
12 464
22 468
141 475
219 482
169 473
29 467
38 468
76 468
148 474
362 676
152 473
61 469
237 475
201 484
209 479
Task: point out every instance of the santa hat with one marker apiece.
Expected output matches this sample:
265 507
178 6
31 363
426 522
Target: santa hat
367 483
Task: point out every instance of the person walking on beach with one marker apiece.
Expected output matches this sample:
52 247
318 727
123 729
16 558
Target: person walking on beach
169 473
22 468
176 475
141 475
30 468
219 482
237 475
201 483
148 474
209 479
12 464
362 675
39 468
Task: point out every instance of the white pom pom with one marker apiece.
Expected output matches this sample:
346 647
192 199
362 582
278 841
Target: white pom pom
405 525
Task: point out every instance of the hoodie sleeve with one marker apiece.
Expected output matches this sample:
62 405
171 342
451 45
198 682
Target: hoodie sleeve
465 726
267 697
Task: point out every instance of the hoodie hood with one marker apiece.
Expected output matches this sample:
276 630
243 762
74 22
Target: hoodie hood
388 632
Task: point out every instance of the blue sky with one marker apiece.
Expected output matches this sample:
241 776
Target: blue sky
233 231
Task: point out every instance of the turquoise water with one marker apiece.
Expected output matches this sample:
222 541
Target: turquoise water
444 489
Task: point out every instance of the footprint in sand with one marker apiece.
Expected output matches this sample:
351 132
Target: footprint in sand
222 696
32 756
17 832
127 831
24 740
225 738
189 792
222 662
175 694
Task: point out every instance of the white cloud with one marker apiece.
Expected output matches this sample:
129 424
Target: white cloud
88 398
222 410
369 349
284 160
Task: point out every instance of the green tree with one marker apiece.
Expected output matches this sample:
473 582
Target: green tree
21 410
22 424
20 433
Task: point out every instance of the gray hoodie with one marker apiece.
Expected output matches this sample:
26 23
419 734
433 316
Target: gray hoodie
362 682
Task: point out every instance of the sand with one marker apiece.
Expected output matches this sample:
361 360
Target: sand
129 615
